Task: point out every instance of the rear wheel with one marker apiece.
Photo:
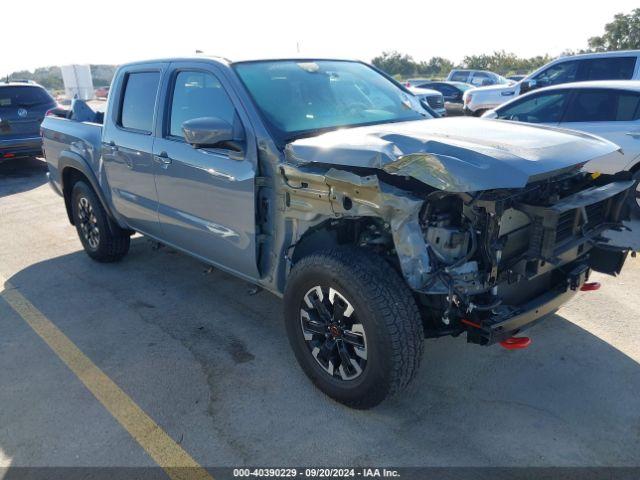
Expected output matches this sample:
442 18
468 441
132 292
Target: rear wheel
101 241
353 325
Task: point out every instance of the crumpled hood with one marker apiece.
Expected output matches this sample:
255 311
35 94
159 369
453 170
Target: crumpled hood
455 154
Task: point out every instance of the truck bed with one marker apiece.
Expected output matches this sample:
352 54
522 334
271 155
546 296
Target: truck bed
62 137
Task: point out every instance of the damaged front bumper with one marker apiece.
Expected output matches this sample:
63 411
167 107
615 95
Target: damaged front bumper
506 322
565 245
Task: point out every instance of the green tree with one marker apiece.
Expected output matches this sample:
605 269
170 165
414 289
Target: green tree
434 67
51 77
504 63
395 63
621 34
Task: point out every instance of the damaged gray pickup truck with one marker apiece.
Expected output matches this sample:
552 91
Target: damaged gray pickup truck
328 183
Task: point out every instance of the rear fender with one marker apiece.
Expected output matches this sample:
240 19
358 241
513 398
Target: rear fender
72 161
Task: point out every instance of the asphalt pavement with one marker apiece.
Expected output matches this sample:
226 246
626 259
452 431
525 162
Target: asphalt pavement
210 364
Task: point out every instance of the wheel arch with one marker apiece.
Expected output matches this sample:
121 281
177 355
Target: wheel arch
73 169
333 233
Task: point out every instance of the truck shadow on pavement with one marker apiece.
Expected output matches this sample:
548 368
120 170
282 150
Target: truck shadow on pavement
21 175
185 343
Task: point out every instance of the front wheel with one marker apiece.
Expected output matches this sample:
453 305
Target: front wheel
102 242
353 325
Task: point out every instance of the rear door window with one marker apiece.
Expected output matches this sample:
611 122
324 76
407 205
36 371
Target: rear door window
23 96
139 100
609 68
197 95
628 107
603 106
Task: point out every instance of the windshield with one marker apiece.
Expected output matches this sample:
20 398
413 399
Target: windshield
19 96
298 97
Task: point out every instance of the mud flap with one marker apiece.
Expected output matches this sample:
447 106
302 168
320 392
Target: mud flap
609 260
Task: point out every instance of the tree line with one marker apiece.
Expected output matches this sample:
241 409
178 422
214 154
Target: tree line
51 77
623 33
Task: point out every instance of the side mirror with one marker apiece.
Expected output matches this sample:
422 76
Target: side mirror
207 131
527 85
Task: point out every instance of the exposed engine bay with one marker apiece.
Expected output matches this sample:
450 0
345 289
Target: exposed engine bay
488 263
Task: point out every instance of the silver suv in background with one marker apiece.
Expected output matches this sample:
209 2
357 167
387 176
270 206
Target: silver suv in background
477 77
622 65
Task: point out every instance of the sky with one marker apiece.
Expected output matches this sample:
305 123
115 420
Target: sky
116 31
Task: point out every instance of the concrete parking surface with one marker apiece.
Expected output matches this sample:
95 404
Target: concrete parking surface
211 365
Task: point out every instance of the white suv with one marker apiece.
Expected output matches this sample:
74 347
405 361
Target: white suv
609 109
622 65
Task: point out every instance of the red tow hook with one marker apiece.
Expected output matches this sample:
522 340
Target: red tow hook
590 287
516 343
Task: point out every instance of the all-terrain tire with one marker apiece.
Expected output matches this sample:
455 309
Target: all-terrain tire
382 303
102 242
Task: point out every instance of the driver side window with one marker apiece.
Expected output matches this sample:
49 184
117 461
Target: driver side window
563 72
198 94
545 108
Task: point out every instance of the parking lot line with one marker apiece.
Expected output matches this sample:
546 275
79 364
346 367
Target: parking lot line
174 460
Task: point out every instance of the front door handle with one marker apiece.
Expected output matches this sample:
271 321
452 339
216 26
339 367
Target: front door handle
635 134
163 159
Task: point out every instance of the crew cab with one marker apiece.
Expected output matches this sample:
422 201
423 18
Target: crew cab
328 183
619 65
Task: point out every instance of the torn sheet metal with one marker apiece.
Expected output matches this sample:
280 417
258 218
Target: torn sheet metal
455 154
369 198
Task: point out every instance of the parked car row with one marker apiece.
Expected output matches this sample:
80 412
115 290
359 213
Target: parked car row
621 65
458 81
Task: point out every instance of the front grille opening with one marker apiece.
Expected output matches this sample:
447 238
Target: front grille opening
573 221
435 102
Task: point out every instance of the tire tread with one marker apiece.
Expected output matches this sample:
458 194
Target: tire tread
386 292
